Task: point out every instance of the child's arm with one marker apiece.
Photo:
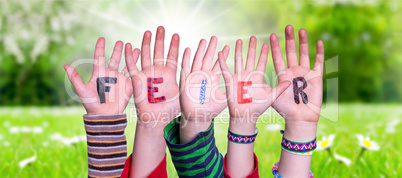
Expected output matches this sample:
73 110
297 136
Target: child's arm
201 99
248 97
106 143
156 97
300 104
190 138
104 97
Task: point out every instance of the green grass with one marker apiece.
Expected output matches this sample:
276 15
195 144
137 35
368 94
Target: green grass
54 159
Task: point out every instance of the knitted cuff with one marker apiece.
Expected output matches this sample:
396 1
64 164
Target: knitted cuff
106 143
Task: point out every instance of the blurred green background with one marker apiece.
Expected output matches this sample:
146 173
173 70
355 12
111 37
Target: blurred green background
361 82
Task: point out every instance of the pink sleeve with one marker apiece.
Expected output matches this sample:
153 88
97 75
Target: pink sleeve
254 174
159 171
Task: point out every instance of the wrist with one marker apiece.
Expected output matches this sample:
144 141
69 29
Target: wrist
150 129
300 131
191 127
244 126
106 118
195 122
299 117
153 119
198 114
195 119
99 113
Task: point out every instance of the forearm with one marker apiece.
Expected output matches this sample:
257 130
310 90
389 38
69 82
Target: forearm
191 127
149 148
240 157
106 143
292 165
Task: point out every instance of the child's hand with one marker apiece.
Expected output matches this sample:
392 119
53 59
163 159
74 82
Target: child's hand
156 97
156 93
248 97
108 91
300 104
249 81
201 98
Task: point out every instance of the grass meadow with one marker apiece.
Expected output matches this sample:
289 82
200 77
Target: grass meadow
51 134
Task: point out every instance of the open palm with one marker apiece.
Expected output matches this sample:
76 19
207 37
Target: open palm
168 91
307 109
113 101
197 101
261 95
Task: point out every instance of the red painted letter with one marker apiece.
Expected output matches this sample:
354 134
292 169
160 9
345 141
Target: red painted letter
152 90
241 91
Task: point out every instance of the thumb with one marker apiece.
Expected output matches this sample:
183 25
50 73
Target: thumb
224 67
186 70
74 77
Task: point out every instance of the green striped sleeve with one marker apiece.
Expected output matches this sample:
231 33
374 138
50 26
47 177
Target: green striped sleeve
197 158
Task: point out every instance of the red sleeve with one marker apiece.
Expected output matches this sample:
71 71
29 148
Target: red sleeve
159 171
254 174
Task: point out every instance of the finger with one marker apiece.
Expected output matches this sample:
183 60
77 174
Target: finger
319 58
279 89
74 77
224 67
99 61
225 51
116 56
125 69
131 58
277 57
291 54
100 48
136 56
209 55
303 49
185 71
225 73
262 61
197 64
146 50
250 64
159 46
173 54
239 57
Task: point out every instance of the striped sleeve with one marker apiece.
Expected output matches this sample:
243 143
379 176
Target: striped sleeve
106 143
197 158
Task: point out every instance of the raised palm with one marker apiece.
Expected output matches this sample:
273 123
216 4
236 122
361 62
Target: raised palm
108 101
198 102
149 109
260 94
307 109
